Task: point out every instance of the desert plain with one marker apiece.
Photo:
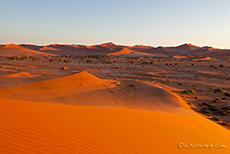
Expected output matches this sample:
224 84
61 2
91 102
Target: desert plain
111 98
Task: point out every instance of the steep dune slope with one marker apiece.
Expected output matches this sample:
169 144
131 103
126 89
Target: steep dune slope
28 127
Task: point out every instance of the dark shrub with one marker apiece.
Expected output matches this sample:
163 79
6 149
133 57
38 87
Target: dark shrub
227 94
218 90
216 118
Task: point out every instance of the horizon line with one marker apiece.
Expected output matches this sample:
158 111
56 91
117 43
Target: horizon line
186 43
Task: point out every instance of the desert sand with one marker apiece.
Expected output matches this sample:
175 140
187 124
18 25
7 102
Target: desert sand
115 100
29 127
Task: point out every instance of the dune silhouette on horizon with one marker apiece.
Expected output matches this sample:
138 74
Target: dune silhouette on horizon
111 49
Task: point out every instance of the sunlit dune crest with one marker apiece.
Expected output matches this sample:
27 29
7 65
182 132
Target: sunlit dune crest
179 57
202 59
11 46
107 44
20 74
48 48
123 51
131 53
190 44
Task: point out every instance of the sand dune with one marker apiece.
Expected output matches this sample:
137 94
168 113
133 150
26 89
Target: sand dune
126 52
183 49
81 113
179 57
49 89
19 74
202 59
102 116
84 89
48 48
188 50
16 50
28 127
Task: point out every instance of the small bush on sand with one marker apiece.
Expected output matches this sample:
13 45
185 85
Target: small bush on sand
205 103
210 105
227 94
13 58
190 91
216 100
218 90
221 65
88 61
212 109
205 111
51 60
64 68
216 118
35 58
226 108
66 61
223 112
226 123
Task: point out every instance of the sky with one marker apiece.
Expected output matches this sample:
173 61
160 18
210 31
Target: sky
126 22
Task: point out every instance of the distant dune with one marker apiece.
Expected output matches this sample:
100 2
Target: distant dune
203 59
180 57
16 50
20 74
111 49
126 52
48 48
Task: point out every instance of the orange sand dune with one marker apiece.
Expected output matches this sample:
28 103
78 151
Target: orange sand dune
28 127
19 74
122 52
179 57
202 59
8 46
48 48
131 53
109 44
15 50
84 89
49 89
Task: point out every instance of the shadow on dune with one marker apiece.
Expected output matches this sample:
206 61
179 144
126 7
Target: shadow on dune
139 96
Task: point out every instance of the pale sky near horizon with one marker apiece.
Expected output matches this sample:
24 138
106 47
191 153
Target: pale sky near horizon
127 22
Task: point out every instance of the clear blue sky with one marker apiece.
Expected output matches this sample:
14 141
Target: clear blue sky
128 22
